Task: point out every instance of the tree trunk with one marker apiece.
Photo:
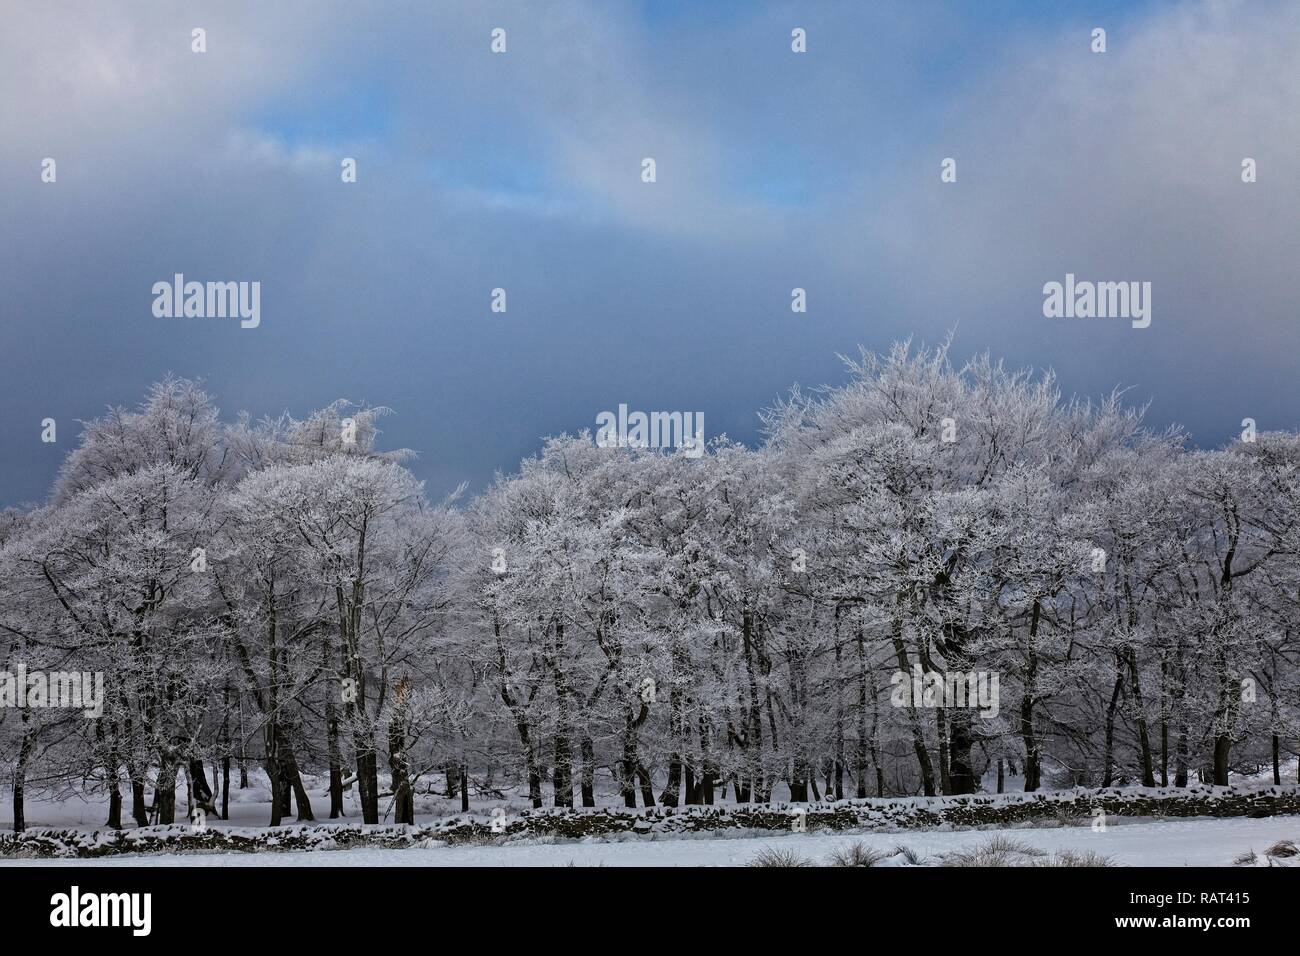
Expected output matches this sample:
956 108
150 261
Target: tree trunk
1028 735
860 754
403 798
114 805
627 775
1144 740
164 791
689 784
941 735
333 750
20 774
293 779
139 810
647 785
1108 760
839 716
562 776
918 735
200 789
961 774
708 769
1164 723
754 723
875 739
588 750
1222 745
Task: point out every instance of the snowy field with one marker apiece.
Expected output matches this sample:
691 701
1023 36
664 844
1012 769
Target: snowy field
1197 842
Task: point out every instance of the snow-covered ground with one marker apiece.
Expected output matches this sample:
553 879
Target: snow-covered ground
1197 842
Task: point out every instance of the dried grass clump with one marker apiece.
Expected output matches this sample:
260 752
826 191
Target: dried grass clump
857 854
1071 858
780 858
1001 851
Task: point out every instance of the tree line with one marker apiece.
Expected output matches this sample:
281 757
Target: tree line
654 626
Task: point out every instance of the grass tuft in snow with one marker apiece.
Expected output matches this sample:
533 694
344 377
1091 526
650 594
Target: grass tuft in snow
857 854
999 851
1071 858
779 858
908 854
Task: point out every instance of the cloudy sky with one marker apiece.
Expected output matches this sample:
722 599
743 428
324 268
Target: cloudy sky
522 171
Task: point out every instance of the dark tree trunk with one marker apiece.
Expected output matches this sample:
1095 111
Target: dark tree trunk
941 734
164 791
286 791
860 755
588 750
1181 748
333 750
672 789
1181 755
200 790
838 769
753 743
691 787
627 775
1222 745
115 805
139 809
271 736
111 778
647 785
368 782
799 780
1108 759
1164 723
707 767
398 764
1144 740
1028 735
20 775
562 747
918 734
961 774
534 783
875 740
294 780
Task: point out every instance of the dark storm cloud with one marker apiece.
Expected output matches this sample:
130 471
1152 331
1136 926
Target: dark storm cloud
522 171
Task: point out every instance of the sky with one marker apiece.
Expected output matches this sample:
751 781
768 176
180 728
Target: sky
522 170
